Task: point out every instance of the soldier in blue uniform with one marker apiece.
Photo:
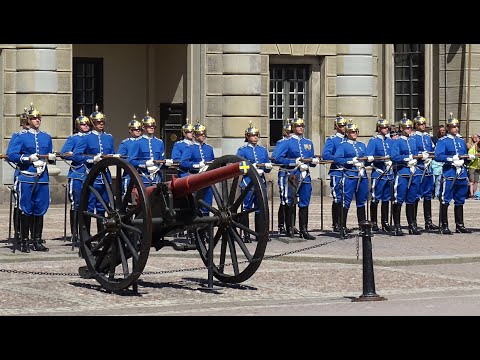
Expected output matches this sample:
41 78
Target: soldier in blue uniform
256 154
454 185
425 146
127 147
16 216
292 155
382 173
149 149
180 146
196 156
26 151
89 151
282 178
407 178
76 172
355 180
335 173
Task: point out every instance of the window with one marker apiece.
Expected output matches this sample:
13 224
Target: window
288 96
87 85
409 80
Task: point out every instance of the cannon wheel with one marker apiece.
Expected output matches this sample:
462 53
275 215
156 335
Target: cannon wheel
116 256
234 261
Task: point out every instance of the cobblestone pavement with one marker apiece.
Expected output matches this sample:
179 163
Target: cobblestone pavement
420 275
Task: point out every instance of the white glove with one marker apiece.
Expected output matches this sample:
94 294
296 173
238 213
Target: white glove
458 163
168 162
359 164
427 161
203 168
409 158
149 163
97 158
315 161
387 157
52 157
303 167
412 163
33 158
116 155
455 157
370 158
38 163
152 169
425 155
298 162
354 160
268 166
388 163
471 156
260 172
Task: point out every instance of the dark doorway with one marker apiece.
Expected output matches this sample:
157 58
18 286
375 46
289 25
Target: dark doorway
87 85
172 118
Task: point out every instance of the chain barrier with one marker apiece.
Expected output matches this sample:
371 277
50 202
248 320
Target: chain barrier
268 257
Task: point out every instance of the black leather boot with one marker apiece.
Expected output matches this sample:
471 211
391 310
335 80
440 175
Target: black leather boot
74 227
335 216
397 230
246 223
427 214
415 207
373 215
38 230
384 216
412 229
258 225
303 219
25 221
16 226
281 219
459 226
294 219
343 229
289 220
444 220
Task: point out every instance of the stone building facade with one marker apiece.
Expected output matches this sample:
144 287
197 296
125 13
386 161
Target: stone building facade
228 85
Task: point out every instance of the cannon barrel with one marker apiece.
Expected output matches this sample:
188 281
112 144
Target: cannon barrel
182 187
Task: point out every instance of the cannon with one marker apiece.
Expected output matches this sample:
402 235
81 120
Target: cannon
139 218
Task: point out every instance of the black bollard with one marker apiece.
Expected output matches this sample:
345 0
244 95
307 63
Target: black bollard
368 277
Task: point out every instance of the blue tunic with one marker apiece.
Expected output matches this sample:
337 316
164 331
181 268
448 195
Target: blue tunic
147 148
294 148
34 199
447 147
355 181
177 151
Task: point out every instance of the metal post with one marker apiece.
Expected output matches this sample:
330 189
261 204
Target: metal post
65 214
271 212
368 277
321 204
10 216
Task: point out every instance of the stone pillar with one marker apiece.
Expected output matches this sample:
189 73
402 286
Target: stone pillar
357 85
242 94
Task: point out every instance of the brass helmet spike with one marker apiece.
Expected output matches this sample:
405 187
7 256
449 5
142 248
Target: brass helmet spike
187 127
134 124
148 120
199 128
81 120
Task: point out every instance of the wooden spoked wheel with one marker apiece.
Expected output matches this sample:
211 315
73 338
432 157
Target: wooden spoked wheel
117 253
